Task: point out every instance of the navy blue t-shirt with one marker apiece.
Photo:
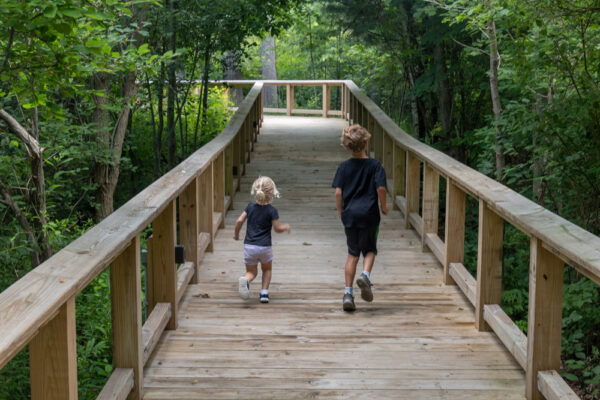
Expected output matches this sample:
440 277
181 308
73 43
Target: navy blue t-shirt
359 179
260 222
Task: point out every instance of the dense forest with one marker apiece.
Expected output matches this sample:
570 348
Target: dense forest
98 99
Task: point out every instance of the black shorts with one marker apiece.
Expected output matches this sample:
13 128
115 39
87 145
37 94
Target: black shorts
362 240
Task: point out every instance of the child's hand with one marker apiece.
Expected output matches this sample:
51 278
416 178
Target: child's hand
384 210
288 228
236 237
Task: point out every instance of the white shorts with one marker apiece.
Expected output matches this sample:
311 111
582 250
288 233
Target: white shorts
254 254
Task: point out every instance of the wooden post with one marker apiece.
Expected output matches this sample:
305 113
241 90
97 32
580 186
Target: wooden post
413 183
377 134
352 110
489 262
343 101
162 271
399 174
188 224
545 315
388 154
243 147
454 237
219 187
326 98
289 96
206 197
53 357
431 199
229 189
126 301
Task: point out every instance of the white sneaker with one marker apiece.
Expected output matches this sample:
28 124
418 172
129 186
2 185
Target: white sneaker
244 288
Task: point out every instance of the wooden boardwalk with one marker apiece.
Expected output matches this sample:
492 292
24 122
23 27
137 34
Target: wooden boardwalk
417 339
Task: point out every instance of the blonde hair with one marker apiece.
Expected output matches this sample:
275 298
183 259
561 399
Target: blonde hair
264 190
354 138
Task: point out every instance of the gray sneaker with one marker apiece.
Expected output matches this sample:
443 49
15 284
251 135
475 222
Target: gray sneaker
348 302
365 287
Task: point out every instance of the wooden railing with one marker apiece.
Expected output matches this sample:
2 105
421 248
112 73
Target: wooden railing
290 86
554 241
39 309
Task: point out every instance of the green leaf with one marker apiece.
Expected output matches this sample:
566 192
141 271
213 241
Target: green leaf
94 43
569 376
143 49
71 12
50 11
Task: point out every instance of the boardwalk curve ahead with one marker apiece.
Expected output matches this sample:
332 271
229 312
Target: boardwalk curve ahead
417 340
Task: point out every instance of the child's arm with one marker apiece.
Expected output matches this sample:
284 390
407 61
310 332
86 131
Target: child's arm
338 201
382 193
279 228
238 225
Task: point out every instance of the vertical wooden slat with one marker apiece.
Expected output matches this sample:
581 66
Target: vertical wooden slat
126 301
431 199
399 174
242 135
289 99
454 236
545 315
326 100
219 186
377 133
205 197
343 101
229 189
413 183
53 357
162 281
188 224
388 154
489 262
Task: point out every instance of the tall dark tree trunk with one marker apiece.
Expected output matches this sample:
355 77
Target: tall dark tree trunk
102 124
444 91
232 73
158 143
269 70
172 92
205 75
495 93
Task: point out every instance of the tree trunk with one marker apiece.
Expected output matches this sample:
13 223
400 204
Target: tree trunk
172 92
444 91
158 143
269 71
232 73
496 104
205 75
102 123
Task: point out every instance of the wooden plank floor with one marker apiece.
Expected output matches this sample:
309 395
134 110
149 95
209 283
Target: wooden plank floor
416 340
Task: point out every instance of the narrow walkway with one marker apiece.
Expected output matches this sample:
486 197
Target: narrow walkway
415 341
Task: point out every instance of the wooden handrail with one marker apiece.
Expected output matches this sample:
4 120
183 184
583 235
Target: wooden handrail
40 305
554 240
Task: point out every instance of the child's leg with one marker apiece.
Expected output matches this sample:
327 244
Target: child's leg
251 272
266 274
350 269
368 261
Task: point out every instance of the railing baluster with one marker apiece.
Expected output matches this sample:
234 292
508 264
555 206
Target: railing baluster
454 236
399 174
205 188
489 262
229 189
413 181
188 224
326 98
388 154
431 196
125 291
219 187
289 99
545 315
162 271
53 357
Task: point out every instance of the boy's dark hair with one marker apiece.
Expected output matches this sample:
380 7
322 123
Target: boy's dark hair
354 138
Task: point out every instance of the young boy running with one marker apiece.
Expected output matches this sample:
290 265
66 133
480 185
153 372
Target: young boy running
359 182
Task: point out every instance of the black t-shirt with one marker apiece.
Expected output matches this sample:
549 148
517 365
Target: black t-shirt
260 222
359 179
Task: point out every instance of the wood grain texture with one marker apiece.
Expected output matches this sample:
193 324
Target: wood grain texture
184 276
399 171
431 202
119 385
464 280
509 333
126 302
53 357
206 198
219 186
490 242
553 386
435 244
544 320
413 186
416 340
454 228
154 326
189 215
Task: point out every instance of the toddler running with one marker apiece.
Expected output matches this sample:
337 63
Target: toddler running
359 182
257 244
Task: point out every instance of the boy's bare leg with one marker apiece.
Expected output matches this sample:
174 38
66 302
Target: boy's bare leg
266 274
350 269
251 272
368 262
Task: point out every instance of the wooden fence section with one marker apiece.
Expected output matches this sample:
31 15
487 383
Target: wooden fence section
554 241
39 309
